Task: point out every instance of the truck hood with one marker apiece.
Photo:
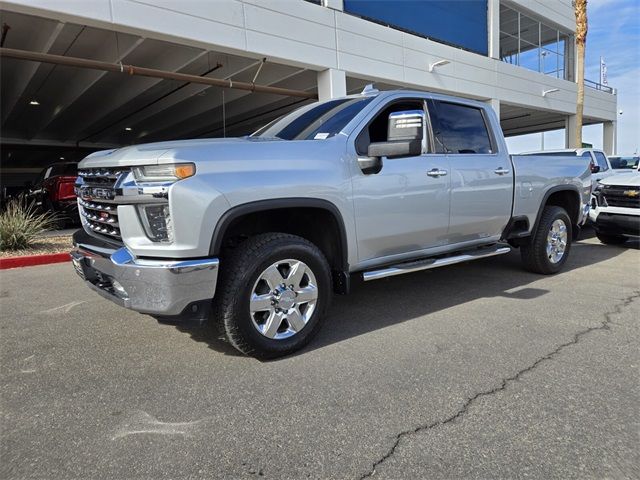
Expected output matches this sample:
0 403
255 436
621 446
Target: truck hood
623 179
162 152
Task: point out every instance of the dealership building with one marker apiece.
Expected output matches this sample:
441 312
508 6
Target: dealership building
517 55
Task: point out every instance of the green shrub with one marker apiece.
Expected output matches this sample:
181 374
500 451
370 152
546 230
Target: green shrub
21 223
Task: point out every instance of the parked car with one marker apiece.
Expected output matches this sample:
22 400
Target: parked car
263 229
600 164
624 163
615 208
53 191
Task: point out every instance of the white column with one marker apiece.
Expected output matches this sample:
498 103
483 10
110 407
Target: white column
495 104
332 83
570 132
335 4
493 27
610 137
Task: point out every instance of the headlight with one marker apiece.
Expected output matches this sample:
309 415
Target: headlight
157 222
164 173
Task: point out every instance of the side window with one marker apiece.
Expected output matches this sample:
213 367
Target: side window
459 129
602 161
377 129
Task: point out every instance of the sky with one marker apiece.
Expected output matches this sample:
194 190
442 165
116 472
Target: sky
614 33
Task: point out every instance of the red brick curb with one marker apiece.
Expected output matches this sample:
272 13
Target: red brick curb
31 260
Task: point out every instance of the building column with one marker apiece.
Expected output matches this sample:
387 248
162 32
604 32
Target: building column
332 83
493 27
610 137
335 4
495 104
570 131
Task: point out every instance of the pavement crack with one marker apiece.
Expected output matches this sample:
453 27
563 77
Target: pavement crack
505 382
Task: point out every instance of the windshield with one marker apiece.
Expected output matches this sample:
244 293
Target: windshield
317 121
630 163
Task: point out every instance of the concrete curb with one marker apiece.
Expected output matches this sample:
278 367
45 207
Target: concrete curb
32 260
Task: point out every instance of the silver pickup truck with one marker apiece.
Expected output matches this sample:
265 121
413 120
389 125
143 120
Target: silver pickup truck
257 233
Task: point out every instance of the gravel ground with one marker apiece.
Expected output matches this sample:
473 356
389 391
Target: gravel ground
42 246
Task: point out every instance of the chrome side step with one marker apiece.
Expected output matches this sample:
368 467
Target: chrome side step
418 265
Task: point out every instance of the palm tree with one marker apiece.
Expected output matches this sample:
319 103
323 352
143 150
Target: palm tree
580 8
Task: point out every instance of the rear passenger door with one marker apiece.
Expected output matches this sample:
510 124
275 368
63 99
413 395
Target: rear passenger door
481 176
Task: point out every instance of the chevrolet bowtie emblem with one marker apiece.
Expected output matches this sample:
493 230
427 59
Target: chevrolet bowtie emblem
631 193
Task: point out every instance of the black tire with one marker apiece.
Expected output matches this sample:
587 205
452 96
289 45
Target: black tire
611 239
240 270
534 254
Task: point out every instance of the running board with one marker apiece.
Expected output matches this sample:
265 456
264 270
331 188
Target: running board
418 265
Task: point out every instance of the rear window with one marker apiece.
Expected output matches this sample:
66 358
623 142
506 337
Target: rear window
602 161
460 129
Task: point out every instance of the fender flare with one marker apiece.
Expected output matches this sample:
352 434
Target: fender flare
280 203
545 198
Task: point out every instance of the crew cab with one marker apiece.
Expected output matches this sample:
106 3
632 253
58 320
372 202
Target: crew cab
257 233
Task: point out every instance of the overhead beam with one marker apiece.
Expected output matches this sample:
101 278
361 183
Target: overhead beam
148 72
19 85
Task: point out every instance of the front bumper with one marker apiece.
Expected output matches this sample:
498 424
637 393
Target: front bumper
617 224
156 287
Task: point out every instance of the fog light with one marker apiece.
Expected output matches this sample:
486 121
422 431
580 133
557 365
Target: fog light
157 222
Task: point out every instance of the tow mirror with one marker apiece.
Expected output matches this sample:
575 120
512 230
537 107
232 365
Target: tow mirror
405 132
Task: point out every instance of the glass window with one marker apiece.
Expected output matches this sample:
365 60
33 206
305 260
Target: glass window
317 121
378 129
531 44
602 161
460 129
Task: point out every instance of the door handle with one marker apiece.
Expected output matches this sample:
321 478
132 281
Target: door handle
501 171
436 172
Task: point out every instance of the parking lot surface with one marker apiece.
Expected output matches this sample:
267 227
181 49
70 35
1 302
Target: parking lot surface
478 370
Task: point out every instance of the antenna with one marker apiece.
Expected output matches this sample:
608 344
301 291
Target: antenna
369 89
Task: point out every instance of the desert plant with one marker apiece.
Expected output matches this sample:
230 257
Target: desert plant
21 223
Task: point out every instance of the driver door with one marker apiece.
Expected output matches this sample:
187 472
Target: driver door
403 207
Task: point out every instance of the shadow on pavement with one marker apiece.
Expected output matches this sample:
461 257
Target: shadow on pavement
378 304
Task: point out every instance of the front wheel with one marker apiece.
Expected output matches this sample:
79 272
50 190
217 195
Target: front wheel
272 293
549 247
611 239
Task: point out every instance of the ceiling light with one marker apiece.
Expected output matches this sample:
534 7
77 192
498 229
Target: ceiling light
34 102
128 129
61 158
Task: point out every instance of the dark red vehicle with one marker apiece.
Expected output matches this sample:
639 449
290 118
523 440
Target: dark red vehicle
54 191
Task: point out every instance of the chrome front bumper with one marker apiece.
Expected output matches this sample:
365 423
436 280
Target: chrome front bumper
156 287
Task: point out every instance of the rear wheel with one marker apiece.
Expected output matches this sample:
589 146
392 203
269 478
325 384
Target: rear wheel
549 247
273 291
611 239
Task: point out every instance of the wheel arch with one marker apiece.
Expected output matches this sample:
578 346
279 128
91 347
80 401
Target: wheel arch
565 196
290 215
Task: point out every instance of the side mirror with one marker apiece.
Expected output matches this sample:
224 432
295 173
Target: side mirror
395 149
595 168
405 133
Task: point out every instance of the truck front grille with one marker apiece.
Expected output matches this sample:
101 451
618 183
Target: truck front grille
619 196
96 191
100 218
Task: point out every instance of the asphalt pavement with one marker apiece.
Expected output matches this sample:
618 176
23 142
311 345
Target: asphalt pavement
479 370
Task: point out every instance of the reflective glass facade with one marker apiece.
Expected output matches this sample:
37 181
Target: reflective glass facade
460 23
529 43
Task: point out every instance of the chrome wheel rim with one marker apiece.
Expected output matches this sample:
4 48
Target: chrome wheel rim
557 241
283 299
